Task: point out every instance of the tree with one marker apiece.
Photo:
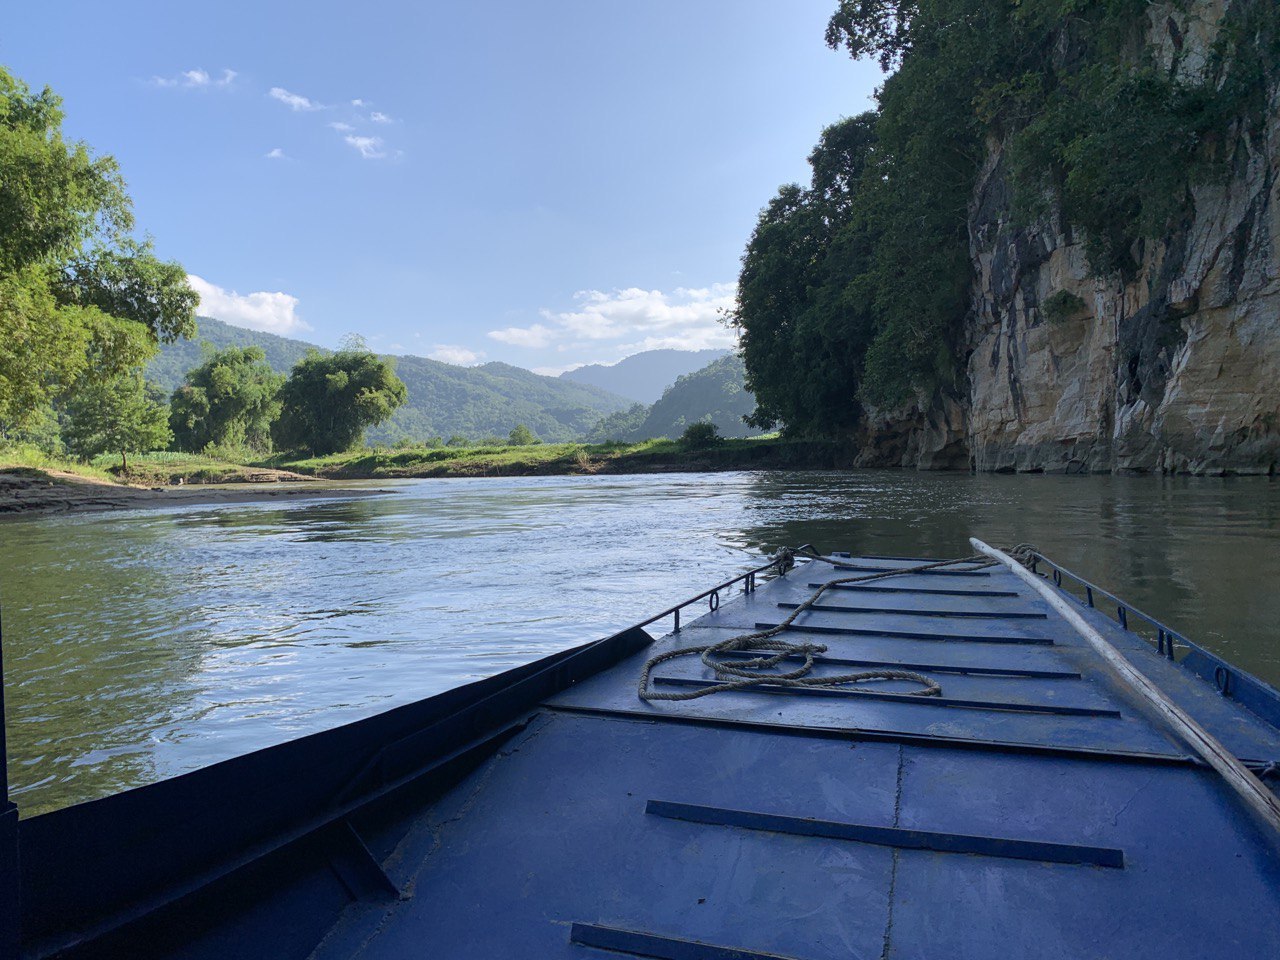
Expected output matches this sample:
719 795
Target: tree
329 400
123 415
78 296
701 434
230 400
521 436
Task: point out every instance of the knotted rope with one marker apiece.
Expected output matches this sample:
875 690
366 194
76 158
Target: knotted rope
739 674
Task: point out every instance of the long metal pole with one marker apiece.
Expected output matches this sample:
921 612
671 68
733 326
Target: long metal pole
1249 788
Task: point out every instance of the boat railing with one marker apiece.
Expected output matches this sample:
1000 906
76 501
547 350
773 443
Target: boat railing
1229 681
779 565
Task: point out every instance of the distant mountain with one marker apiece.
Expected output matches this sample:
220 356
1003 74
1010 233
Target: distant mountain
444 400
643 376
714 393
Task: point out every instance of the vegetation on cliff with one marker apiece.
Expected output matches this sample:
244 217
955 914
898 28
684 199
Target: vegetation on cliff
861 278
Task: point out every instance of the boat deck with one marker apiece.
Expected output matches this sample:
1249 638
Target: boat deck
1037 808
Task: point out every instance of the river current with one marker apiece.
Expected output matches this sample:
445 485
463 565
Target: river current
142 644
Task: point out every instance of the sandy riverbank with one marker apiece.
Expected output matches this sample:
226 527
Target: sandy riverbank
25 491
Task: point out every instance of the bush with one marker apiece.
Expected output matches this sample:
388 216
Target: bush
701 434
1063 305
521 436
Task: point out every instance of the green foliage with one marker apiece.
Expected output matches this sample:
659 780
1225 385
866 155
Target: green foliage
78 297
699 435
620 426
329 400
120 415
228 401
1062 305
521 436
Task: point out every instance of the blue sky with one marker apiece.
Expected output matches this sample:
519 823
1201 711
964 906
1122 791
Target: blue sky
545 183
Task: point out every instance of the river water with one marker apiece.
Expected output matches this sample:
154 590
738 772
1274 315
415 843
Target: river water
141 644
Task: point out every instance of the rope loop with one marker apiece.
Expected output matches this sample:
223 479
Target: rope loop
737 674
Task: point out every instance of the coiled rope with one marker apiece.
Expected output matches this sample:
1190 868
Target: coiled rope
740 674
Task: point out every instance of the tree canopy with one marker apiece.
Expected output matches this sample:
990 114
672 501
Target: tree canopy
79 297
329 400
121 415
228 401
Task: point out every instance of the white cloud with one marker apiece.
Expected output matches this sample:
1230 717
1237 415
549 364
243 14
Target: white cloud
632 320
459 356
357 103
275 153
535 336
341 127
195 79
369 147
269 312
294 101
378 117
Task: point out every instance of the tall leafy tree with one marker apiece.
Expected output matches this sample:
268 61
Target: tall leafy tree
78 296
122 414
803 308
329 400
230 400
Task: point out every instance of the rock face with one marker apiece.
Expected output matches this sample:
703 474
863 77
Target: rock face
1175 371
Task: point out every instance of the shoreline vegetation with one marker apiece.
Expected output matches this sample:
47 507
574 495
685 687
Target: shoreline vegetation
34 482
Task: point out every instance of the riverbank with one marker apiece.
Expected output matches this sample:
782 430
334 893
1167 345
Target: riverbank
26 490
550 459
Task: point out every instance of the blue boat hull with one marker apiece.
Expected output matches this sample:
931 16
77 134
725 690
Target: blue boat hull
1037 808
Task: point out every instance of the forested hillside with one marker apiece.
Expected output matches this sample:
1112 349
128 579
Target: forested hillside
643 376
1047 248
444 400
713 394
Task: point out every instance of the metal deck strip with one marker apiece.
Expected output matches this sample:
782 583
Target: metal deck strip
959 704
863 735
932 591
963 669
906 571
891 836
906 634
639 944
902 611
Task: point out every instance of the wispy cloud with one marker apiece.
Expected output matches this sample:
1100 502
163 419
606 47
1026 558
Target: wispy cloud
369 147
378 117
357 103
341 127
294 101
459 356
276 154
632 320
195 79
532 337
269 312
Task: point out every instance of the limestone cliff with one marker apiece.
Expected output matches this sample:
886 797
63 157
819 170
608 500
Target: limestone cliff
1177 370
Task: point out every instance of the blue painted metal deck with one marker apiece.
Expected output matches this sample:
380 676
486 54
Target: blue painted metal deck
1036 809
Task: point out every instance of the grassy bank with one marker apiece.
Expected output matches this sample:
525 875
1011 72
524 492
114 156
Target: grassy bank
160 469
163 469
546 459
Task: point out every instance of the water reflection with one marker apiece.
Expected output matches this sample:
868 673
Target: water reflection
139 645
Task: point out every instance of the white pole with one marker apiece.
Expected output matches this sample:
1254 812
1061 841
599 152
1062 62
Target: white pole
1250 789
